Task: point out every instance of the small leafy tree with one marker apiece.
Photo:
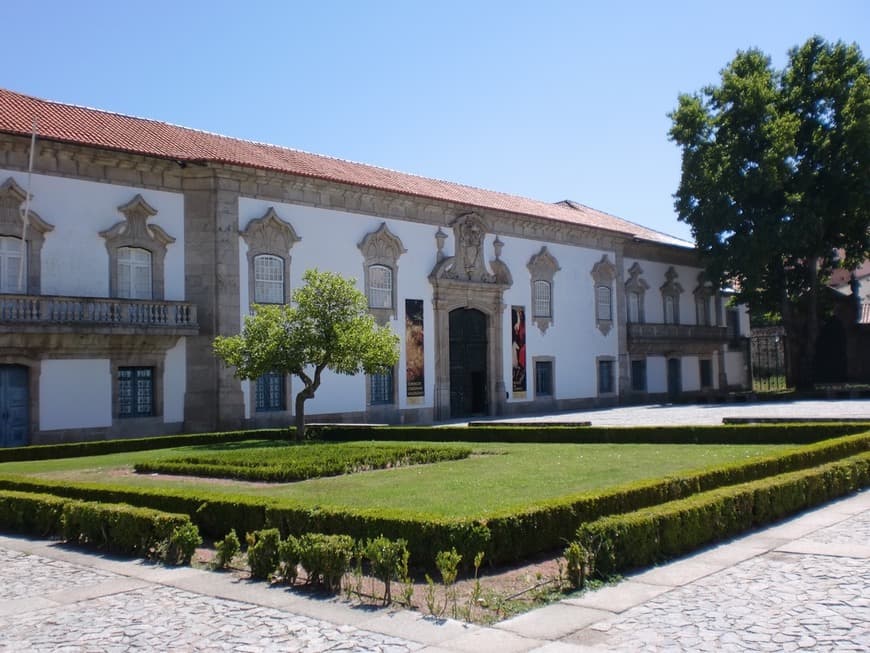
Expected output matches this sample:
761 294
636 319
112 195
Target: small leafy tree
327 326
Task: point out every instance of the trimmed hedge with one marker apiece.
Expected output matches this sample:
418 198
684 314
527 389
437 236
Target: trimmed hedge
296 463
505 537
802 433
31 513
102 447
645 537
119 528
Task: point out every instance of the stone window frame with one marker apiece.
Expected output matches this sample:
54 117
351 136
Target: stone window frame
543 267
613 375
671 288
154 361
383 248
603 276
636 286
271 236
12 225
135 232
551 396
393 390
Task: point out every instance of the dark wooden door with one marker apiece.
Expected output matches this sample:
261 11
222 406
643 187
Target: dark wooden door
14 406
468 354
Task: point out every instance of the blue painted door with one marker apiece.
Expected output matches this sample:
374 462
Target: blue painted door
14 406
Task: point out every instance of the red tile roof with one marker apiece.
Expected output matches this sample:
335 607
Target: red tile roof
113 131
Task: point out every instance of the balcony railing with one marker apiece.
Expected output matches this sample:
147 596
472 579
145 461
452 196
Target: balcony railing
40 310
694 332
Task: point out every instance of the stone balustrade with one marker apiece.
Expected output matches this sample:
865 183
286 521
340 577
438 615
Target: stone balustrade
647 331
39 310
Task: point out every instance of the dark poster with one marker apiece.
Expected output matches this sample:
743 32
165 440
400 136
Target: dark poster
414 347
518 347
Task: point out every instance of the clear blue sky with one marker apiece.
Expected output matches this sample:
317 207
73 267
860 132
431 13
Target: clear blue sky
547 99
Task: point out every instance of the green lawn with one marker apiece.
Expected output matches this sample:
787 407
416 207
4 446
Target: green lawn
497 477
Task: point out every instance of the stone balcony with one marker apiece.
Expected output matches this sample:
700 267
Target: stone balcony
96 315
652 338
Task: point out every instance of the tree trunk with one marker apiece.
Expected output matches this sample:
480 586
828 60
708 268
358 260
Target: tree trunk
300 415
811 329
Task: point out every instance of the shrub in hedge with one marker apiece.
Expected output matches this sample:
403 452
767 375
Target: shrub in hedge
325 558
263 557
30 513
226 549
388 560
622 542
288 559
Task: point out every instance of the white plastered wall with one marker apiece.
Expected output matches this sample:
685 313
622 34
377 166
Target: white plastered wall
329 241
74 257
572 338
75 393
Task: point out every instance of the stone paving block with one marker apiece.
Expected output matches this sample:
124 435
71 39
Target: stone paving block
416 627
677 573
21 605
492 640
727 554
553 621
92 591
561 647
848 550
617 598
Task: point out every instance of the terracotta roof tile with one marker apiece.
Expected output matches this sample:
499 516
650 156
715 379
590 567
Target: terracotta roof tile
113 131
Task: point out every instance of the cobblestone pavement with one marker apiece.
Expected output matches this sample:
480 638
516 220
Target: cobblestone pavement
801 585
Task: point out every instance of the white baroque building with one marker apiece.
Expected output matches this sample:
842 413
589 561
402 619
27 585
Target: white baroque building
141 241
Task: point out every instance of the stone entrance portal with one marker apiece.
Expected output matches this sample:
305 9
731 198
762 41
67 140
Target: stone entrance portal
469 313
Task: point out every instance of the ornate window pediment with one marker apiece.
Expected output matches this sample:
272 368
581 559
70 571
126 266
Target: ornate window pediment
381 250
32 230
543 267
269 240
134 232
603 277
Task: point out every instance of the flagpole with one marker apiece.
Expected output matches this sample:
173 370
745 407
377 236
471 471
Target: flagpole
25 218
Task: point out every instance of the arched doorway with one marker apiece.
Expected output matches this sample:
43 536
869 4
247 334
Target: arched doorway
14 406
468 368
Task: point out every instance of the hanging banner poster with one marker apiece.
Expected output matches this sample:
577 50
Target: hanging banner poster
518 347
414 347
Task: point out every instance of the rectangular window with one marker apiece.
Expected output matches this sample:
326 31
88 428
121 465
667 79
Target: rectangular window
634 307
134 273
670 310
12 278
268 279
135 391
605 377
638 375
542 303
733 317
602 294
381 388
702 307
706 373
380 286
544 378
270 393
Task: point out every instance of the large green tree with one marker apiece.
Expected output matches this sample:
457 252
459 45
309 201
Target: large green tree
326 327
776 180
